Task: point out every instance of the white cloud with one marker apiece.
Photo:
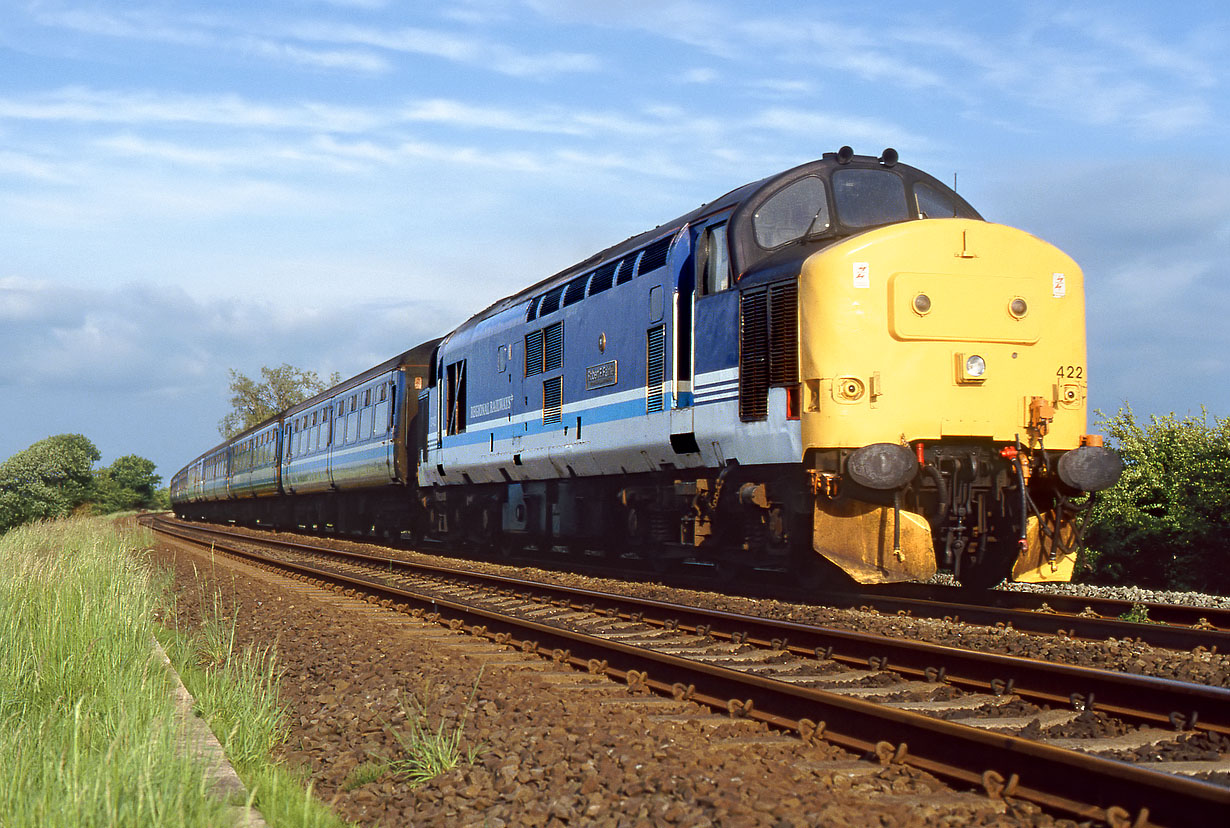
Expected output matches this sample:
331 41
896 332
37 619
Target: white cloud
841 128
275 41
1085 70
143 369
469 50
24 165
136 24
700 75
458 114
87 105
354 61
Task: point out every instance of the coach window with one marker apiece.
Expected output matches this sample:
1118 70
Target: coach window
381 423
365 419
714 260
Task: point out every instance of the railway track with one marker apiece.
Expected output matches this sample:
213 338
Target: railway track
1161 625
895 699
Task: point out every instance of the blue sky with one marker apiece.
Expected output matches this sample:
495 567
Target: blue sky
187 187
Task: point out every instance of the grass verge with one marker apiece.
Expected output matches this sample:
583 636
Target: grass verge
88 734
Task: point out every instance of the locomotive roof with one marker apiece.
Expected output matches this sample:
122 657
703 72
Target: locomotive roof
740 198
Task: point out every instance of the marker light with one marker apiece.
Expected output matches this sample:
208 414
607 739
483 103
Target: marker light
922 304
1018 307
975 366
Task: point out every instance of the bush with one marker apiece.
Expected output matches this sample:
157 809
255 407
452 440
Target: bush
1167 522
48 480
55 477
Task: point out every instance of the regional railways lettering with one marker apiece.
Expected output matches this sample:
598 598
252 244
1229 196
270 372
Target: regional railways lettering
491 407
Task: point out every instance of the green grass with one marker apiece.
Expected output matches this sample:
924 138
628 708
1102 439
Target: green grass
364 773
88 735
429 751
1139 613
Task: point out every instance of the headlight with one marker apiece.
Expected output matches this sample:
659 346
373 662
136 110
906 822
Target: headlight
975 366
1018 307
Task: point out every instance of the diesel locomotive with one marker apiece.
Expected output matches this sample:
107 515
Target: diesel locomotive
842 361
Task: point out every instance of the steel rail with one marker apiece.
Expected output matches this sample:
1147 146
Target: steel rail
1139 699
1168 625
1082 785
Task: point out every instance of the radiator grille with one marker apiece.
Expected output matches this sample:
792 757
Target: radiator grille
553 400
784 334
533 353
753 356
655 368
553 347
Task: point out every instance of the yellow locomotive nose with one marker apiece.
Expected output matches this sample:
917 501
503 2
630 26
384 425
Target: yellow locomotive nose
961 335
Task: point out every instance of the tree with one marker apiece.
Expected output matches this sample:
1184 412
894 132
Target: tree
1167 522
47 480
254 402
128 483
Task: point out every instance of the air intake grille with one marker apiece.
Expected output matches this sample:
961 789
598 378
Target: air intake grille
655 368
533 353
603 277
553 347
575 291
753 356
784 334
625 269
553 400
655 256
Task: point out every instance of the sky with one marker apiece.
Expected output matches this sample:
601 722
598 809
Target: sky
192 187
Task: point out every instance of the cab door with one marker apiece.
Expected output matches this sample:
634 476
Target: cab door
682 269
700 262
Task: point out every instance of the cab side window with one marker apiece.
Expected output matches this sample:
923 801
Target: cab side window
713 261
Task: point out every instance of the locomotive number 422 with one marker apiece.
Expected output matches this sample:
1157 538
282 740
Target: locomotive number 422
1071 372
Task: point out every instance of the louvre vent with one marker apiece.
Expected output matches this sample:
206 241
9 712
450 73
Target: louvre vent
550 302
603 277
753 356
576 290
553 400
784 334
625 269
655 256
533 353
553 347
655 368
